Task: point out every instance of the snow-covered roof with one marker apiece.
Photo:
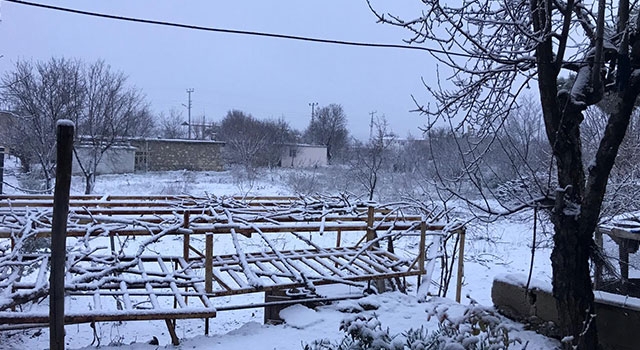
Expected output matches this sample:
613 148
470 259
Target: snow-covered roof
150 139
304 145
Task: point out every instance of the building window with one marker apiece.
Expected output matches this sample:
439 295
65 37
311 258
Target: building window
293 152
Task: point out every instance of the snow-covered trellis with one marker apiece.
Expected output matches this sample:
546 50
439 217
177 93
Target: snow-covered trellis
122 262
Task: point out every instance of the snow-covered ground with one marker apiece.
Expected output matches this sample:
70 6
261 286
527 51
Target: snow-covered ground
501 247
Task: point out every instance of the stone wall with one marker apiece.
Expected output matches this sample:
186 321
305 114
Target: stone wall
617 316
169 154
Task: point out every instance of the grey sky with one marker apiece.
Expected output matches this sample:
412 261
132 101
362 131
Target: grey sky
269 78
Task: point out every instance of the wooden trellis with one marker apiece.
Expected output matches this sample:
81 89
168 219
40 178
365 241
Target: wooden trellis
119 285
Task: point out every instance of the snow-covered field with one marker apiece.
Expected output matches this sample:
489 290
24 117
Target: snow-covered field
497 248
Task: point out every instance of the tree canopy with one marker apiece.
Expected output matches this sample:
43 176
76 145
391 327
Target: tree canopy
492 50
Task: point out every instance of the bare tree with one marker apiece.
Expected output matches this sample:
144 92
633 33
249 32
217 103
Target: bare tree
369 159
623 190
97 99
112 111
244 137
495 48
204 130
252 142
329 128
172 125
38 95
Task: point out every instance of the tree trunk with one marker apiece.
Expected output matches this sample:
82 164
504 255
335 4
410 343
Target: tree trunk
89 181
47 181
572 286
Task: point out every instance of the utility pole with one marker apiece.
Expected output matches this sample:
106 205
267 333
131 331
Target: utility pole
313 110
189 91
371 124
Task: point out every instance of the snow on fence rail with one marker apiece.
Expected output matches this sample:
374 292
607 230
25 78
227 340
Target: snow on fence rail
121 257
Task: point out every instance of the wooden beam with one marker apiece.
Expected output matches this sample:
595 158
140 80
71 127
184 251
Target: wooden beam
185 237
421 253
462 233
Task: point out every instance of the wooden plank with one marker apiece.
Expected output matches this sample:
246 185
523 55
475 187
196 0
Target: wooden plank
310 262
243 284
177 293
126 297
196 286
343 261
132 293
331 267
245 230
369 260
129 315
269 272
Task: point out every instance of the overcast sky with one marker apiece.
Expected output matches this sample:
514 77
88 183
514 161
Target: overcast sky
269 78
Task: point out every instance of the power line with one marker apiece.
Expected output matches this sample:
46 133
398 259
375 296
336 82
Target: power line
240 32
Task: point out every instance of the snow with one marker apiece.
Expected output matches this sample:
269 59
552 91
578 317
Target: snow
300 316
500 250
521 281
65 122
617 300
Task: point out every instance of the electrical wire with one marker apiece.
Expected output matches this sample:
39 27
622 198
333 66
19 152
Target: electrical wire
240 32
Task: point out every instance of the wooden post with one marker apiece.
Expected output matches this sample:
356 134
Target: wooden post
598 266
185 255
460 265
112 238
186 238
172 332
59 233
371 233
421 254
208 271
338 242
623 254
208 260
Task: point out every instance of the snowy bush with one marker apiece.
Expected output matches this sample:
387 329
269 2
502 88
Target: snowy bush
478 328
33 182
304 182
362 332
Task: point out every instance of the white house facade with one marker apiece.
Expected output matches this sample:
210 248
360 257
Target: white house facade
116 160
303 156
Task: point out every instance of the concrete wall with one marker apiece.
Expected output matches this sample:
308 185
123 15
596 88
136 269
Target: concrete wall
303 156
617 316
169 154
116 160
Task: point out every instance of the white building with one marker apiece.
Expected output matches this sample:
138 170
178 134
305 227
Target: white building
303 156
118 159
